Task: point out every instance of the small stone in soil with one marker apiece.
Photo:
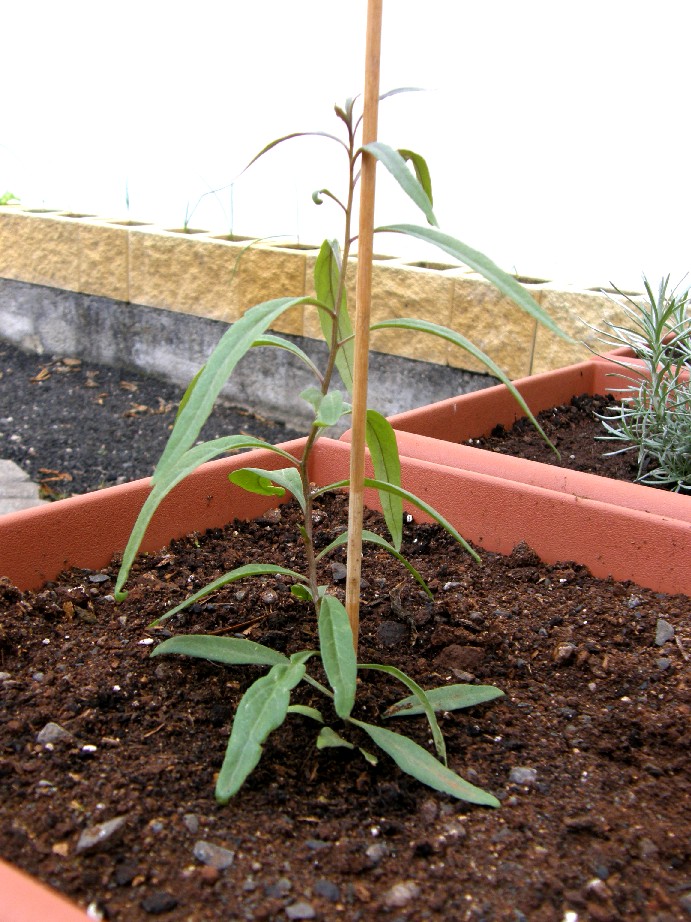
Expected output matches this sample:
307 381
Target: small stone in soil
101 836
282 887
52 733
524 776
327 890
401 894
300 910
157 902
213 855
664 631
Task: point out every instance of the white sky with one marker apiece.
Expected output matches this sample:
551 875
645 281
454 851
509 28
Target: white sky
557 133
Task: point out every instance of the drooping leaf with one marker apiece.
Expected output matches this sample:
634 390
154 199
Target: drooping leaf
373 538
445 698
396 165
248 570
413 500
233 345
268 339
327 272
232 651
422 700
424 326
258 480
289 137
262 709
383 449
420 764
176 472
506 283
338 653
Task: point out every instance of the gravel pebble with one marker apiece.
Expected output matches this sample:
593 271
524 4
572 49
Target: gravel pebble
664 632
52 733
157 902
104 834
301 910
401 894
213 855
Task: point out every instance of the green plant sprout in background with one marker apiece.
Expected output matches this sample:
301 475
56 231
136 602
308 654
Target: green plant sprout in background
8 198
267 703
654 414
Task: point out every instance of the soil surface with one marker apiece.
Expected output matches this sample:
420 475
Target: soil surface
575 429
588 751
76 427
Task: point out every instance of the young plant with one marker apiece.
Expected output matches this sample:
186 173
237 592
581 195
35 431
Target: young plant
653 417
267 702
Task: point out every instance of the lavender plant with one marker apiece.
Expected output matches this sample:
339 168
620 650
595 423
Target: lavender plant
653 417
267 703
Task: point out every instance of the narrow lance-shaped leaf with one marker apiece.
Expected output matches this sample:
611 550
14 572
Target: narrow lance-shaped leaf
420 764
232 651
258 480
338 653
327 274
414 500
420 696
177 471
244 572
268 339
506 283
383 449
233 345
262 709
396 165
373 538
424 326
445 698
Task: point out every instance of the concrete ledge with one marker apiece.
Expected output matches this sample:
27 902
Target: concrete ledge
172 346
218 278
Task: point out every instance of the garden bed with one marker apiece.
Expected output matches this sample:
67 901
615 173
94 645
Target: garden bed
588 751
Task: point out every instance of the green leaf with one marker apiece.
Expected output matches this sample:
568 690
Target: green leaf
396 165
338 653
258 480
422 700
411 498
424 326
262 709
383 449
373 538
301 592
329 408
188 392
176 472
421 171
420 764
306 711
506 283
279 342
445 698
327 276
329 739
248 570
233 345
232 651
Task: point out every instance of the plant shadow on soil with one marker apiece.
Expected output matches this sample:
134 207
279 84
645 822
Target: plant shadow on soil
587 751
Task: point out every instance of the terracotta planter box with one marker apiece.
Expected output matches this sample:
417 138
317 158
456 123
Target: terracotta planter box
433 433
488 508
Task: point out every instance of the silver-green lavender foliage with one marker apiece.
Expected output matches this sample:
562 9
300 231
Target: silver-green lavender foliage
654 418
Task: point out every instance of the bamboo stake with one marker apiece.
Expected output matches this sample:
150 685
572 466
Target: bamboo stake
362 316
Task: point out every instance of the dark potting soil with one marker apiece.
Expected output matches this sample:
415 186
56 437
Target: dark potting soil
575 430
75 427
588 751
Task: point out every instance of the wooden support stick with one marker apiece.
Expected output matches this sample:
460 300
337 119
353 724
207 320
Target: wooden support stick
362 316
